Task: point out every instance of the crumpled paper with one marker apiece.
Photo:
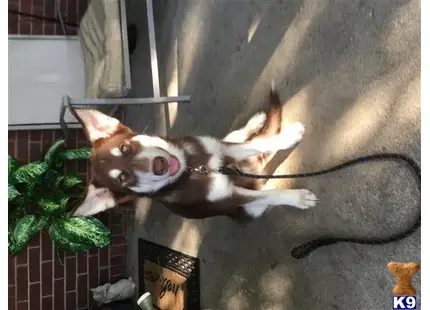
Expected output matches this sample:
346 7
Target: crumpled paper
106 293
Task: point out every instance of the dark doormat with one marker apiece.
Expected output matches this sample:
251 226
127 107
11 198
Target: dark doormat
172 278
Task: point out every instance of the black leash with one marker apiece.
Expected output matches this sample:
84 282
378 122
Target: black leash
305 249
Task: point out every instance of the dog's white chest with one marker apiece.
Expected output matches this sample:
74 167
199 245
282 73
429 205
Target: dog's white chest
220 185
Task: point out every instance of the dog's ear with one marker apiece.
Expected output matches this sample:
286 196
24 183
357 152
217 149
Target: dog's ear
97 125
96 200
99 199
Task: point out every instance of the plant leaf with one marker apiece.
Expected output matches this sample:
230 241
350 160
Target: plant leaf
74 154
52 152
51 205
12 192
27 226
13 164
13 247
69 182
76 234
30 172
16 211
52 178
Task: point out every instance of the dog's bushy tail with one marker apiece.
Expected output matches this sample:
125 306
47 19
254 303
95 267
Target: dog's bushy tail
273 123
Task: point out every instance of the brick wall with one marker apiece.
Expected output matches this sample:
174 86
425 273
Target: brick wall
36 279
72 10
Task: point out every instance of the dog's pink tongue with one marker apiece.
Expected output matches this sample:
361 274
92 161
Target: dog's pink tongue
174 166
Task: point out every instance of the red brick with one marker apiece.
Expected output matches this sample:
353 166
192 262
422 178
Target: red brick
83 5
12 24
34 264
81 137
70 274
22 283
47 303
11 135
22 306
82 262
81 166
35 296
58 134
47 278
93 267
104 275
35 151
71 300
11 291
70 166
116 230
22 135
72 12
49 9
35 240
11 148
49 29
63 7
104 218
25 27
59 294
69 254
35 135
84 178
93 251
82 291
58 269
119 240
117 270
83 144
46 246
47 138
118 250
22 149
71 139
13 4
11 269
38 7
21 258
104 257
116 218
11 303
116 278
25 6
117 260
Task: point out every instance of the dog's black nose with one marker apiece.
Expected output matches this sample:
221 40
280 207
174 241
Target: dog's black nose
160 165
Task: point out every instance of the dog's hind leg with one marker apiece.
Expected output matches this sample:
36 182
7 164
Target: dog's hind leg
254 125
260 125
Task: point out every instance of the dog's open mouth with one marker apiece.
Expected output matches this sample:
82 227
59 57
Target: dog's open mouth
162 165
173 165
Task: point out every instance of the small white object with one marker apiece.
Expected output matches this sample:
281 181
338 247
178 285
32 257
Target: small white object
143 297
106 293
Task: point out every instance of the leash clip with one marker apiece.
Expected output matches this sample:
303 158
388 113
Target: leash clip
201 169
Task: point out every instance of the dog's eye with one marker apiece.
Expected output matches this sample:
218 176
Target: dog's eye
122 177
124 148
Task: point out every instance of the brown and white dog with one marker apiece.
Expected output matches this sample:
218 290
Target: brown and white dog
126 165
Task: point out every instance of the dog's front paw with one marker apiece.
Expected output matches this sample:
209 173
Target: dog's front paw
290 135
305 199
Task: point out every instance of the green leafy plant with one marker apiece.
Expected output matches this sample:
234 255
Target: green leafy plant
40 196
